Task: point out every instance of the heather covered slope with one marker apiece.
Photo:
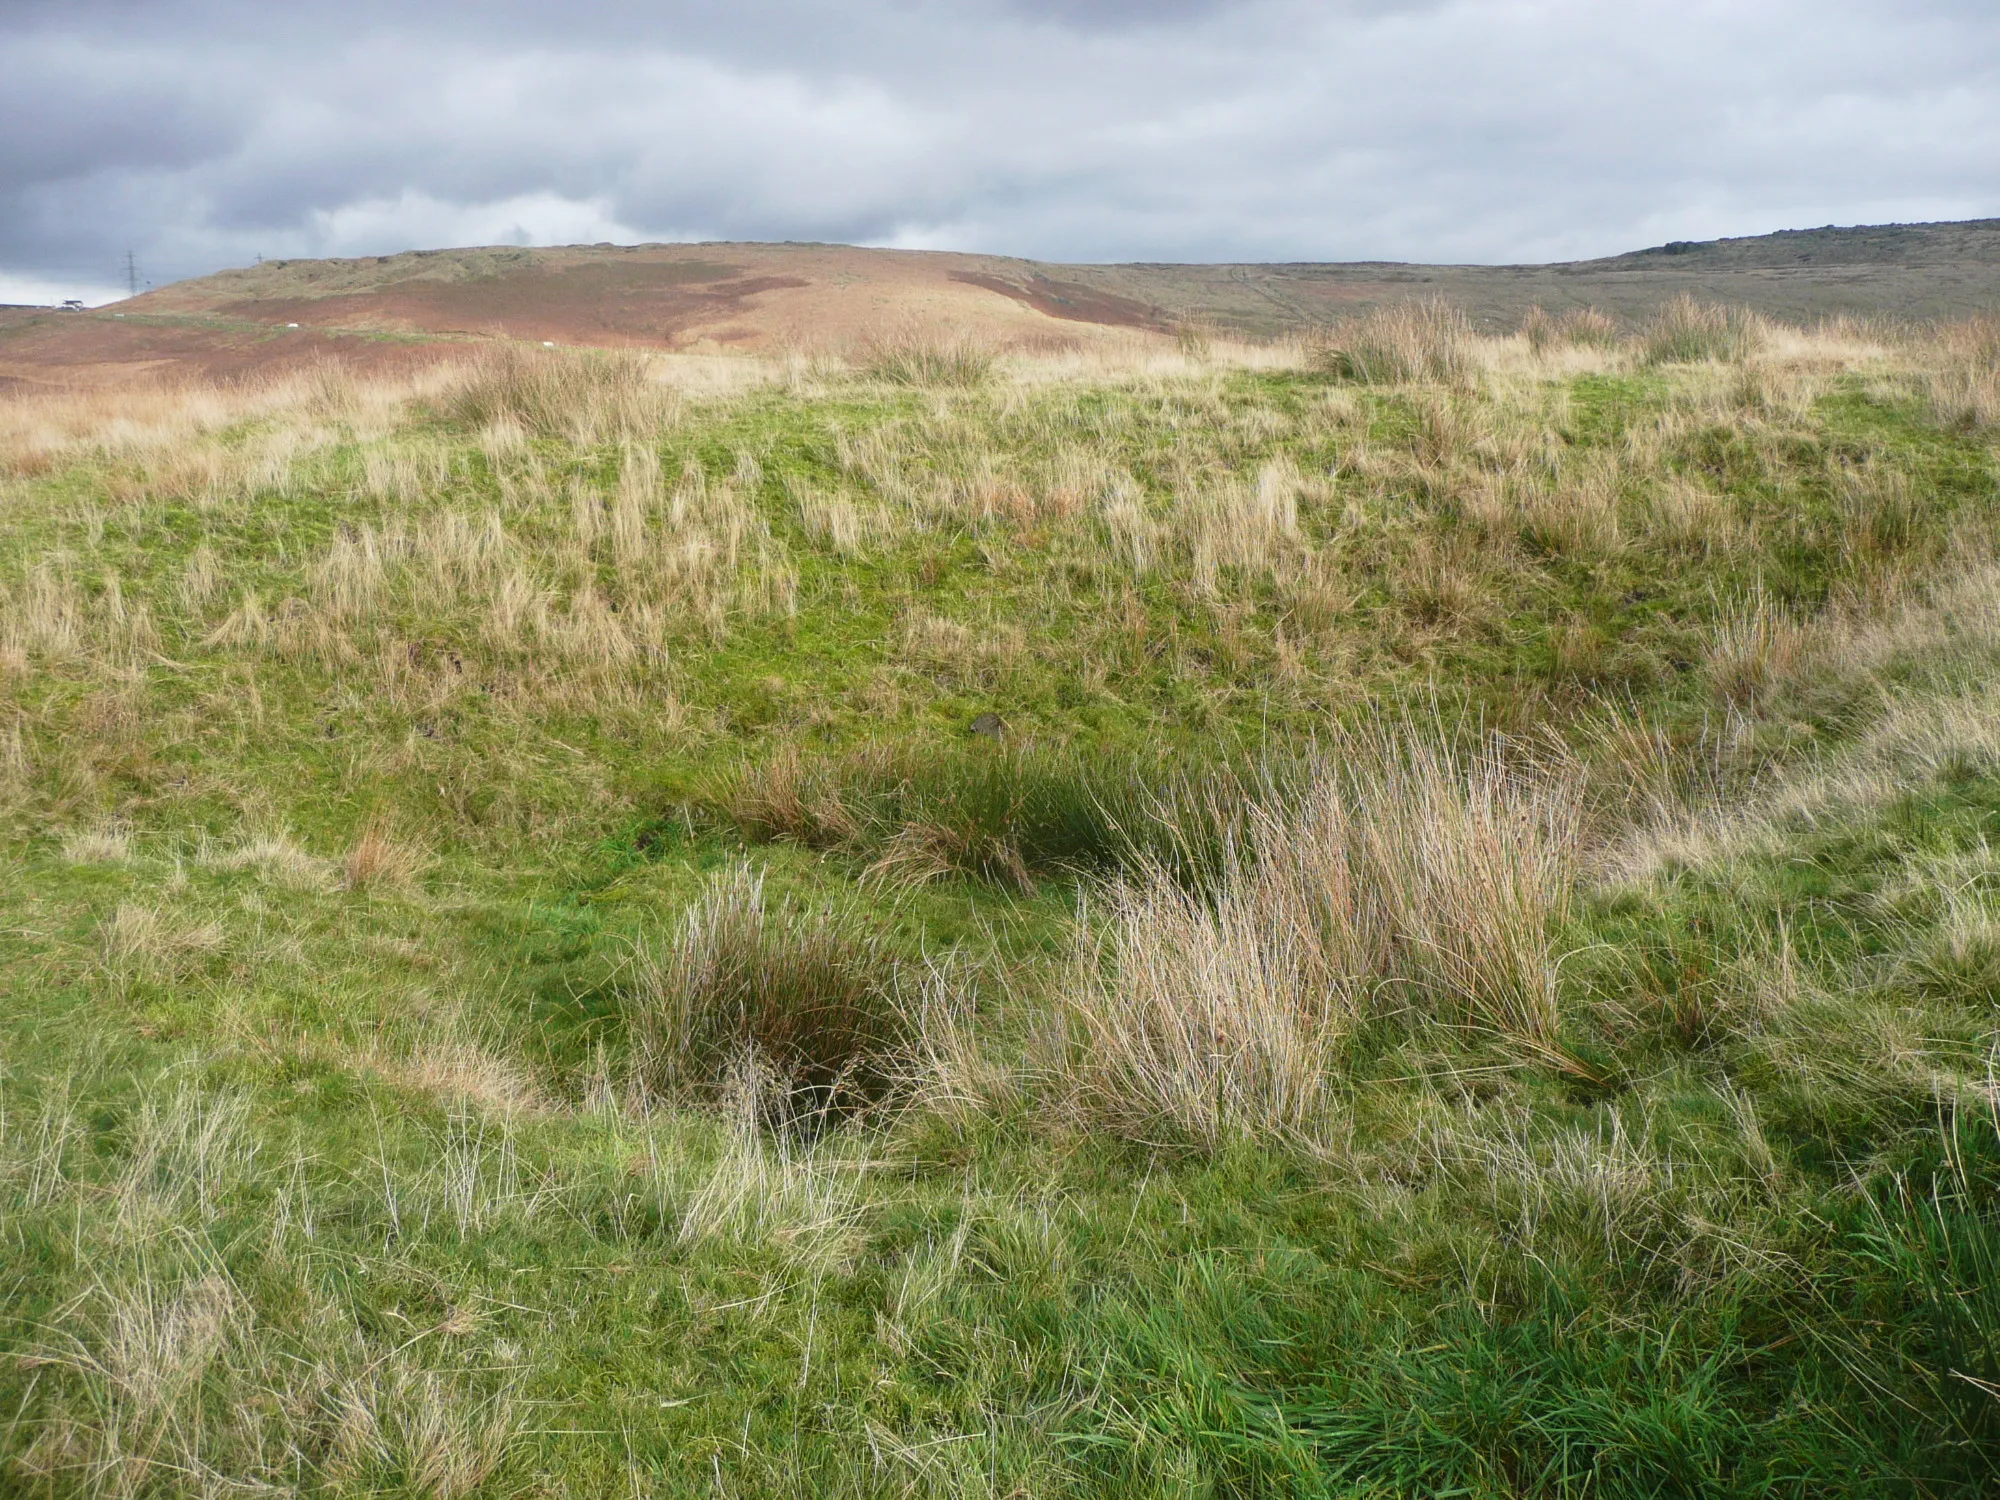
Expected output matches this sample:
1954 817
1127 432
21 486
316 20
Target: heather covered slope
758 295
1466 963
388 311
717 296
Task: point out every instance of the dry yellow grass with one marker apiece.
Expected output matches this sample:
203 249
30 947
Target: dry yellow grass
1403 882
531 581
698 548
1964 385
1419 341
379 859
107 844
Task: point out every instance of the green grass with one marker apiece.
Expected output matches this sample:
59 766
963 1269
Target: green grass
446 1181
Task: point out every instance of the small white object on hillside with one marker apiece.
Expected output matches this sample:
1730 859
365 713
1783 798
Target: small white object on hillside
548 343
291 325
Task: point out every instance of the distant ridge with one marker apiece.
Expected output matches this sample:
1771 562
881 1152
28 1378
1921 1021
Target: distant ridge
1915 271
736 294
750 297
1973 240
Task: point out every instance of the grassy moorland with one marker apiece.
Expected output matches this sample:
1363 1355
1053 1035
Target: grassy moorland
1404 915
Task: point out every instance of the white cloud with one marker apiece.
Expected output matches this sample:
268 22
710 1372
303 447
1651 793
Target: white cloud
415 218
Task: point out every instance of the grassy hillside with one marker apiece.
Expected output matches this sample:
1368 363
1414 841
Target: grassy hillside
1411 914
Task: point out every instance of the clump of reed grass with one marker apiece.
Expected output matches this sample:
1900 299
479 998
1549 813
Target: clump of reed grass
804 1196
1194 340
1207 1019
1428 340
1574 328
582 396
1249 527
1883 513
1401 882
273 856
1684 516
144 934
378 859
1007 814
1758 647
807 1000
917 357
1964 387
1687 331
105 844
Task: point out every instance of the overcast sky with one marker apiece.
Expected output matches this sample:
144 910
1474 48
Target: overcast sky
203 133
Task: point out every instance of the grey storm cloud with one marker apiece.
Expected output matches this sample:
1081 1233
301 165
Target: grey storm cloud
200 133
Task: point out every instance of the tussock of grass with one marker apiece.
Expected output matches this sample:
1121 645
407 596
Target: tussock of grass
1574 328
801 1000
1007 814
1411 341
379 859
1964 388
583 396
1396 884
1686 331
761 1188
107 845
924 359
